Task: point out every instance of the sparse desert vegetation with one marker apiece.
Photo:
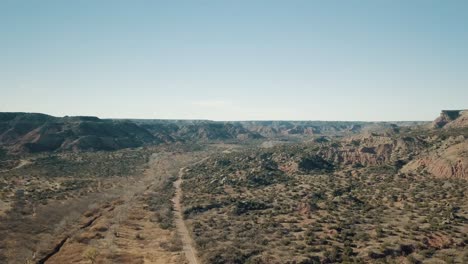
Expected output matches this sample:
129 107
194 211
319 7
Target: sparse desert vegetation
94 206
383 194
233 132
328 203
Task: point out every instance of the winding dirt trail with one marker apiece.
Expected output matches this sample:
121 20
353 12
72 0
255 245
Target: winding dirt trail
182 231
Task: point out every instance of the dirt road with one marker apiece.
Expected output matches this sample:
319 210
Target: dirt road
122 220
125 230
182 231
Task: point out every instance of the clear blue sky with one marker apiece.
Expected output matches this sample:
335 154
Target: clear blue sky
235 60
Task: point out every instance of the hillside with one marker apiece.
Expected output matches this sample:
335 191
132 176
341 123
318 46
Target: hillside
451 119
246 192
33 132
395 196
328 128
30 132
197 130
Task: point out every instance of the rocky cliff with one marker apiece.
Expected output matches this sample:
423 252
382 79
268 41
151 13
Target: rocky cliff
451 119
448 159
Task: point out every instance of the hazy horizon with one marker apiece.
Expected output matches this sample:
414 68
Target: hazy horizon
242 60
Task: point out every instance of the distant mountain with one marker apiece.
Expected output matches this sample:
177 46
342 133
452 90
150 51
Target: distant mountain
34 132
216 131
196 130
285 128
31 132
183 130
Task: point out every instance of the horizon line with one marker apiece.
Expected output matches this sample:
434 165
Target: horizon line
227 120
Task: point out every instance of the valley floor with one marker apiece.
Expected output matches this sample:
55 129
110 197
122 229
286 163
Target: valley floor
365 199
126 219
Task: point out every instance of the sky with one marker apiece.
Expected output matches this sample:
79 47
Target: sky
235 60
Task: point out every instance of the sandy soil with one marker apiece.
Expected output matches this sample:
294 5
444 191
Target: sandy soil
182 231
124 230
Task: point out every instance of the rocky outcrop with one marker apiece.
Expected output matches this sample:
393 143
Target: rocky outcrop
458 170
451 119
446 162
460 122
351 156
372 149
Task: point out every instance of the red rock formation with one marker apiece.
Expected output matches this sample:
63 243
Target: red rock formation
458 171
364 156
448 162
304 208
